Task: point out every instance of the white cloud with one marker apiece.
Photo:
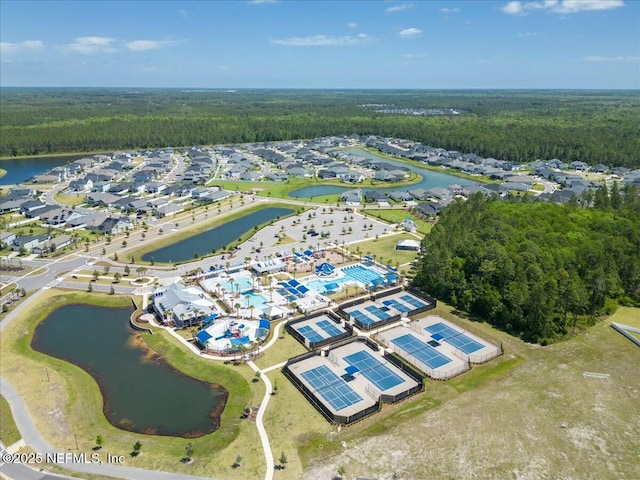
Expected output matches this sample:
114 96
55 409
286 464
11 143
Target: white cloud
322 41
527 34
623 59
143 45
8 48
183 13
560 6
449 10
399 8
512 8
89 45
413 56
352 25
408 32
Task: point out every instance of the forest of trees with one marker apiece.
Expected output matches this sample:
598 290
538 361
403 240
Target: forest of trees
595 127
536 270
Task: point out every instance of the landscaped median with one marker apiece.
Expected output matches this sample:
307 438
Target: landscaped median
215 220
66 404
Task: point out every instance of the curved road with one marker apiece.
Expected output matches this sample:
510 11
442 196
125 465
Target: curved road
54 274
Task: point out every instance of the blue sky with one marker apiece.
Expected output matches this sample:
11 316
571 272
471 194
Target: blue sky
321 44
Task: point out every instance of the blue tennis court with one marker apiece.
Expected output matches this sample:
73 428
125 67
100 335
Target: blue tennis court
420 350
373 370
310 334
331 387
397 305
329 328
413 301
378 312
361 317
455 338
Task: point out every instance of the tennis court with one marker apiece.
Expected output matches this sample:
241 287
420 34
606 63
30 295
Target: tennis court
362 317
440 331
373 370
310 334
413 301
333 389
397 305
331 329
421 351
378 312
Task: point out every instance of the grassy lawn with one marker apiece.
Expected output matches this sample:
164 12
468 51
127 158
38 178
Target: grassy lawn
169 238
384 249
69 199
71 403
9 433
529 411
284 348
397 216
538 187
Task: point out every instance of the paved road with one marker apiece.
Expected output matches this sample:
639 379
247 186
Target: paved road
56 271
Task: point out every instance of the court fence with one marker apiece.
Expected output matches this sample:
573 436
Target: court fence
479 358
310 395
436 374
431 302
289 327
370 389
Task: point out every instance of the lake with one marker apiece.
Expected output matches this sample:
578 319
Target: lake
142 393
22 169
217 237
430 179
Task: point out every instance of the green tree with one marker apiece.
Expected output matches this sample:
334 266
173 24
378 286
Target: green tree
99 442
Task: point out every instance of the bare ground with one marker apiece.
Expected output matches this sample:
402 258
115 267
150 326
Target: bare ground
540 420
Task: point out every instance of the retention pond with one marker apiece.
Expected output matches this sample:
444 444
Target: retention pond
203 243
142 393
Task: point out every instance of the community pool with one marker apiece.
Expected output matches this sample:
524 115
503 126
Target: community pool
243 283
254 299
364 275
320 286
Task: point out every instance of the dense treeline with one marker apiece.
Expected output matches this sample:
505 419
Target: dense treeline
594 127
535 269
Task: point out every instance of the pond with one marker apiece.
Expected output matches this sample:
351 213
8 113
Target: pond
142 393
22 169
430 179
217 237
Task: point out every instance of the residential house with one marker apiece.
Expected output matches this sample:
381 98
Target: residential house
28 242
52 244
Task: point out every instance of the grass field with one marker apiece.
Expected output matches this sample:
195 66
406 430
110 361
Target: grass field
69 199
397 216
9 433
529 414
70 402
384 249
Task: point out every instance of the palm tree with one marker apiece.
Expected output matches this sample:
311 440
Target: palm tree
237 289
251 309
237 307
247 298
270 294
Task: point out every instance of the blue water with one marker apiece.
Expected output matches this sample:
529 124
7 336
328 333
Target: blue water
141 391
320 285
254 299
430 179
22 169
244 283
362 274
217 237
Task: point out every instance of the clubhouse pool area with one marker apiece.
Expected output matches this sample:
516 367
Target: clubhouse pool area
365 276
229 335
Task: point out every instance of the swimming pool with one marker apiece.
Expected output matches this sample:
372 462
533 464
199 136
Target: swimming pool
363 275
244 283
320 286
254 299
